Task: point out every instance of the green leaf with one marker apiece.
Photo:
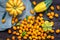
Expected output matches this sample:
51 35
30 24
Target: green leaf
45 29
23 33
47 23
18 24
51 24
43 25
48 3
49 28
26 17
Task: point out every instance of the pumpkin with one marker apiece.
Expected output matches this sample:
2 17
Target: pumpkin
15 7
42 6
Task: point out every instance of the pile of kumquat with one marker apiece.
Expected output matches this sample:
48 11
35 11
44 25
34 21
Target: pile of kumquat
30 28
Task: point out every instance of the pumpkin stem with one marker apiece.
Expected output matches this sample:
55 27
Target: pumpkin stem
4 15
48 3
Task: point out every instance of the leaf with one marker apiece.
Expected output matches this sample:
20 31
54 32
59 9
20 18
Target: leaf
51 24
18 24
48 3
45 29
24 33
49 28
26 17
47 23
43 25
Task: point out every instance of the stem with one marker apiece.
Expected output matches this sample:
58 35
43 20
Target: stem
48 3
4 15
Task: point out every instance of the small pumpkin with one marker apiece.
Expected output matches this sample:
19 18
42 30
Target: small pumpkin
15 7
42 6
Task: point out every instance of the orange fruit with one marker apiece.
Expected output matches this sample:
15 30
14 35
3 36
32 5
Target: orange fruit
19 37
25 37
17 33
52 7
13 37
18 27
58 7
3 20
16 20
57 31
45 34
56 15
8 39
52 23
13 22
52 37
43 37
32 11
14 28
14 32
52 31
52 13
34 2
40 14
51 17
48 14
9 31
48 36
